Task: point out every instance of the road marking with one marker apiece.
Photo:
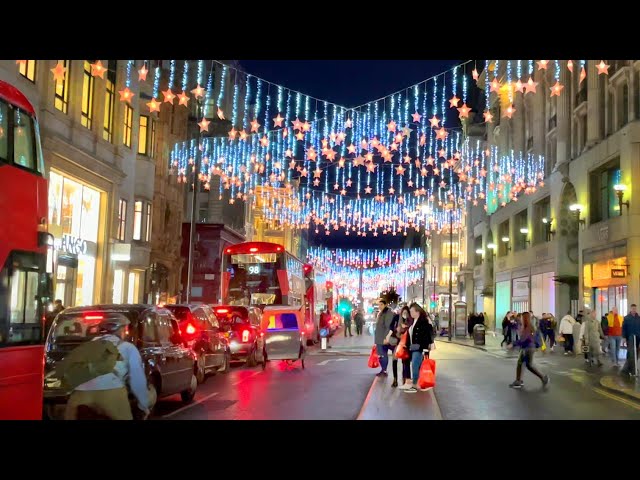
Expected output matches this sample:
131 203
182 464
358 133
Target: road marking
246 378
203 399
333 360
619 399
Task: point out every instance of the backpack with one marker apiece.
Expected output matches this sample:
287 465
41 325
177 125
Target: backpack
88 361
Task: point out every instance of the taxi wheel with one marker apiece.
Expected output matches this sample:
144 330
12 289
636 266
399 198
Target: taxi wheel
201 372
153 396
252 358
189 394
226 366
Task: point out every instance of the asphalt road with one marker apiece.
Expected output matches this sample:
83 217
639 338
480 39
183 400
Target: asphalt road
330 387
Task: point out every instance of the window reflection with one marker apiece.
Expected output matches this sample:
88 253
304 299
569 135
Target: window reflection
4 129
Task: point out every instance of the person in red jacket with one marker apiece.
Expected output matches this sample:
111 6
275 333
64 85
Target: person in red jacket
615 321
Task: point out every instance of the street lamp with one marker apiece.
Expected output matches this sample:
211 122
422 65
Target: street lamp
576 208
525 232
194 199
620 189
505 239
547 228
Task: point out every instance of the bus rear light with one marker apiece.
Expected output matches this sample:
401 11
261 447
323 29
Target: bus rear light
253 249
245 336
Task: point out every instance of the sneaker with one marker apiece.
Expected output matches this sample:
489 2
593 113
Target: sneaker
394 384
405 386
517 384
545 380
411 390
566 353
381 374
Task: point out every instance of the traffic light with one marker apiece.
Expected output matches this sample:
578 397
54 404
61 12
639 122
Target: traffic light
434 304
344 306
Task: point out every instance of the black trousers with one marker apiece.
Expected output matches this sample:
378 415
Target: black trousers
347 328
358 329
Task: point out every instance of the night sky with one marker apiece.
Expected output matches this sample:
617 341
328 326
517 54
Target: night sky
348 83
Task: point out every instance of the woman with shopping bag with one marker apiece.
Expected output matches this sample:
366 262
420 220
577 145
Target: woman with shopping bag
419 340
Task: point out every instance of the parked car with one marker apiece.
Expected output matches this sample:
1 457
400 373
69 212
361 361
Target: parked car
170 366
201 330
241 325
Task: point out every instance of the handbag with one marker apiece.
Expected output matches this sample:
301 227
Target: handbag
560 338
415 347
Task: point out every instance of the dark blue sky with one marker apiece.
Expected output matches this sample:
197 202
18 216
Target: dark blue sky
347 82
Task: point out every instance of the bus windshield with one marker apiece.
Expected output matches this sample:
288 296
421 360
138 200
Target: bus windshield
253 279
24 151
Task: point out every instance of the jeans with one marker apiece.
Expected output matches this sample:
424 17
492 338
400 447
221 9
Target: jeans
382 351
406 369
614 348
568 342
416 361
526 357
551 338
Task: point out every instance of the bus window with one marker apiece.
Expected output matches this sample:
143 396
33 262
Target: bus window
4 131
23 145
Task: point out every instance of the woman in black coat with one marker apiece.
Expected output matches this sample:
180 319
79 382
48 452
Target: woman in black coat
419 341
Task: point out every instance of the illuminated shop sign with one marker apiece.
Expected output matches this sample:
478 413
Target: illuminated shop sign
71 245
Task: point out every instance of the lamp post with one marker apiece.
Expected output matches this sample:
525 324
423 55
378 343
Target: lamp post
450 268
620 189
194 198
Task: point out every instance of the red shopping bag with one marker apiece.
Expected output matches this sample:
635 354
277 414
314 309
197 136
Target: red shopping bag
432 364
373 358
401 350
427 378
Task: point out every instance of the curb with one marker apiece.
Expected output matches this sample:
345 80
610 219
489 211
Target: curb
619 391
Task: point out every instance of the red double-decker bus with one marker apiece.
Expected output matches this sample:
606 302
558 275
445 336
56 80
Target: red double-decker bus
315 299
25 284
261 273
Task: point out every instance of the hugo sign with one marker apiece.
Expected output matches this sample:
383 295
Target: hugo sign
73 245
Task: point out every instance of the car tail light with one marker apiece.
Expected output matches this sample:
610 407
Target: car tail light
191 329
262 334
245 335
330 322
94 317
222 310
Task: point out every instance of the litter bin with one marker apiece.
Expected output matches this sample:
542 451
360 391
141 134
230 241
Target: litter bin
479 334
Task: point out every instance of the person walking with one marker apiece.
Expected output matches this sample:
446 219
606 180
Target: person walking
604 322
420 339
506 330
614 332
347 324
528 346
383 327
359 321
631 335
566 330
592 336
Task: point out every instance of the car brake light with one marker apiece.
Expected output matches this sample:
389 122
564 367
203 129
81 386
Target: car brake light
330 322
262 334
222 310
94 317
191 329
245 335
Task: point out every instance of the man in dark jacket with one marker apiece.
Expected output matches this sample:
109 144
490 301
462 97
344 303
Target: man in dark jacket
383 327
359 321
631 335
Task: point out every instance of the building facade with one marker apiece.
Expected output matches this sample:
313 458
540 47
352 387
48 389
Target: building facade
101 157
574 242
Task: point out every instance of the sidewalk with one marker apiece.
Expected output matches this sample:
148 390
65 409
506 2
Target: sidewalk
613 383
355 345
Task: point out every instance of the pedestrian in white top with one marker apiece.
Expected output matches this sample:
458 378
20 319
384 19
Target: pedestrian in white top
566 330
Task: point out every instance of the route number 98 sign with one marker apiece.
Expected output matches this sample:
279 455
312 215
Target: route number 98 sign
254 270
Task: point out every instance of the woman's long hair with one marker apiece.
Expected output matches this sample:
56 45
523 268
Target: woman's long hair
418 309
408 313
